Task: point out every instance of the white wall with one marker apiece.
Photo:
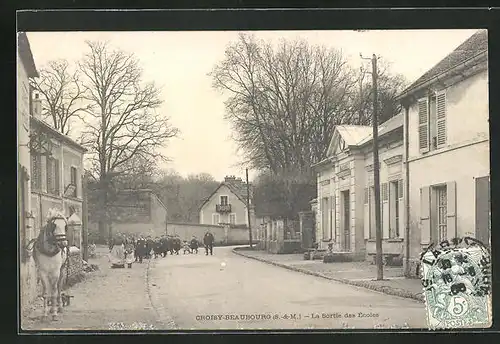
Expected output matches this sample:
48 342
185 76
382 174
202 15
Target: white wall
27 268
237 207
465 156
467 114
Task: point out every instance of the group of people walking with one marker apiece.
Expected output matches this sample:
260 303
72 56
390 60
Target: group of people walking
126 250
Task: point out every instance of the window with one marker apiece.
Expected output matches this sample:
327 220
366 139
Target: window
223 200
232 219
52 167
36 172
215 219
441 218
432 122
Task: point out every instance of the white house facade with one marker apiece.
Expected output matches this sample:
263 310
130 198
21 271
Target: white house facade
25 69
227 204
345 206
447 150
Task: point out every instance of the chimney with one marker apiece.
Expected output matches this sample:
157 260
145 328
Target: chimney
229 179
37 107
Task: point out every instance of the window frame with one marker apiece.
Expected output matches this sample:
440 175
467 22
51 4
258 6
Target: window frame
226 198
436 124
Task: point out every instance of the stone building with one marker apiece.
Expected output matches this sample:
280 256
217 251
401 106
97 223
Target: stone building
137 212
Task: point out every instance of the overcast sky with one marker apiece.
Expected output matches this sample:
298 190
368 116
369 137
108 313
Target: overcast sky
179 63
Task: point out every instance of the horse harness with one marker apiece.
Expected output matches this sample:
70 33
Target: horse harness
46 236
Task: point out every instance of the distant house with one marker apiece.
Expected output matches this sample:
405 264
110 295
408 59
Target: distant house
447 149
136 212
228 204
345 204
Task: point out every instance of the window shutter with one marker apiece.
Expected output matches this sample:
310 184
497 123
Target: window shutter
332 224
425 219
451 209
401 208
441 119
372 213
423 125
366 217
56 176
385 211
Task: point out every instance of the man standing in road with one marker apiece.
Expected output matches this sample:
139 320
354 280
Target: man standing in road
208 241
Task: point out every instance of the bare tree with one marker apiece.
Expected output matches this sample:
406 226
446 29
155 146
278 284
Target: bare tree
283 102
122 123
61 94
389 86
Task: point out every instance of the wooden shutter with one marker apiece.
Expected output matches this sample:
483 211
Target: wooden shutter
451 210
401 208
425 212
372 213
423 125
441 119
332 217
385 210
56 177
483 209
366 214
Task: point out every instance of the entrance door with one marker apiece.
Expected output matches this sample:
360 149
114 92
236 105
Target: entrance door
483 210
346 214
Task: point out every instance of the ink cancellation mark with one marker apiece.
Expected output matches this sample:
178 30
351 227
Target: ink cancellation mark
456 279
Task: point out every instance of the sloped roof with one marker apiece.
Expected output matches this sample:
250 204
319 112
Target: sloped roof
473 46
385 128
237 191
37 123
353 134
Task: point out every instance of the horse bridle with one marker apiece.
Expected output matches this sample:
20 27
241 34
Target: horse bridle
59 237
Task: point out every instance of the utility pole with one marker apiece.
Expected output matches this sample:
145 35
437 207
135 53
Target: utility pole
248 211
376 172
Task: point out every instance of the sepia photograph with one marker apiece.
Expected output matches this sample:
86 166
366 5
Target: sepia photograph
244 180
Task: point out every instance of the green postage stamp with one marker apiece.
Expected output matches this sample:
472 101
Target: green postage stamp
456 278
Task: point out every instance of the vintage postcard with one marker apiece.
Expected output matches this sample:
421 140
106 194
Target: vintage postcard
231 180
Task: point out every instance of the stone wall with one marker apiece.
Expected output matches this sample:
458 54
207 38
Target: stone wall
234 236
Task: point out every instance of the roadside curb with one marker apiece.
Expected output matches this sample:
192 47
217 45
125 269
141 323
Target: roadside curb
164 317
382 289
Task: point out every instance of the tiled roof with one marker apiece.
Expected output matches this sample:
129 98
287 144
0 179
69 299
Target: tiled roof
473 46
239 191
353 134
386 127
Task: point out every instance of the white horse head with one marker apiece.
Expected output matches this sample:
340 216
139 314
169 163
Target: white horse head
56 218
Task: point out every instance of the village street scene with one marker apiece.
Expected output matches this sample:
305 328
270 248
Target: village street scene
244 180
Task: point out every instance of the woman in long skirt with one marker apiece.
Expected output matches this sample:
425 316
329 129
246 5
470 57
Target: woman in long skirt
129 255
117 255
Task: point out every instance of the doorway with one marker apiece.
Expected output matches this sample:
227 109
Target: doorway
346 221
